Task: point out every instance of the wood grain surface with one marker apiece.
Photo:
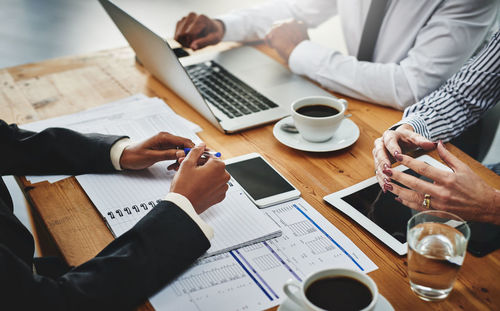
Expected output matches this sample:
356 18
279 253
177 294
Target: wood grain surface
67 85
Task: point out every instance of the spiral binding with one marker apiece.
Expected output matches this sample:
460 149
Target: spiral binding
129 210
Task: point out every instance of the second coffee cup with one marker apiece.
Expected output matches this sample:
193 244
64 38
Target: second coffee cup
318 117
333 289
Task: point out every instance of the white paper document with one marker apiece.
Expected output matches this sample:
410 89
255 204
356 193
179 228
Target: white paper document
251 278
137 116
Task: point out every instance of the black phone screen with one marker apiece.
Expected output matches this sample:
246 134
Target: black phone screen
258 178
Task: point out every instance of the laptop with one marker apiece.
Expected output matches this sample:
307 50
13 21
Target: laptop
235 90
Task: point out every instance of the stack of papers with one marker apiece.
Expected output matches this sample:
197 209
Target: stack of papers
138 117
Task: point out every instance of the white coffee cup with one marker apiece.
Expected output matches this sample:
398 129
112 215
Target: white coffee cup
297 291
318 129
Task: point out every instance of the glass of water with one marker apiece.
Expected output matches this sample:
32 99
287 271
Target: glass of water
437 243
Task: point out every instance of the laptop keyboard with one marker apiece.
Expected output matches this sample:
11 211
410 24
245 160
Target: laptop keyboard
226 92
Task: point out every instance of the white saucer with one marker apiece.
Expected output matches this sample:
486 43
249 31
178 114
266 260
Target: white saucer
382 305
346 135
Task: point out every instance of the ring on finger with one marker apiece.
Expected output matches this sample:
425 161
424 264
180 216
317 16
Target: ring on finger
427 201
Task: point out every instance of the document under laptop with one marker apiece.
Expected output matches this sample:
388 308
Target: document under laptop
235 90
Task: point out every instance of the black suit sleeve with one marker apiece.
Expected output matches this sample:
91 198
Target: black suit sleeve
53 151
128 271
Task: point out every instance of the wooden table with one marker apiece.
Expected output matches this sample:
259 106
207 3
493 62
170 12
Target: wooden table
67 85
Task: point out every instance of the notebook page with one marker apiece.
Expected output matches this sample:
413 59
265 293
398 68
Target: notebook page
123 199
237 222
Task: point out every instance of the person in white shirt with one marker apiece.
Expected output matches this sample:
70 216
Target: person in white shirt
408 50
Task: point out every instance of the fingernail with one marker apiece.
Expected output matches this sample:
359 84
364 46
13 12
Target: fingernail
386 166
398 199
383 188
387 172
398 156
388 187
386 180
442 144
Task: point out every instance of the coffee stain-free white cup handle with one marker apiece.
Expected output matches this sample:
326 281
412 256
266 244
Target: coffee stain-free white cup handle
343 102
346 105
294 296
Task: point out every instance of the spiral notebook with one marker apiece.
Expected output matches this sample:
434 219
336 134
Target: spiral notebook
123 199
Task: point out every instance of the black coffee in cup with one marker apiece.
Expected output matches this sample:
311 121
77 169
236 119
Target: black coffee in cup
317 111
339 293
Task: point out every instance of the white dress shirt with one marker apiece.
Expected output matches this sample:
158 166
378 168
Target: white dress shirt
181 201
420 44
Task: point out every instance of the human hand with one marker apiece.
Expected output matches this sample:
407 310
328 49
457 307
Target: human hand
197 31
181 155
285 37
392 144
461 192
203 185
161 147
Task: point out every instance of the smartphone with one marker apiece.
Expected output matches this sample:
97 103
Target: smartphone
264 185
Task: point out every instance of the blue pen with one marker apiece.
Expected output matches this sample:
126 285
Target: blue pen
205 153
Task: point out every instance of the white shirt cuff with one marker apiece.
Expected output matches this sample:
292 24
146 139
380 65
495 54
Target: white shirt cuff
182 202
308 58
233 28
116 152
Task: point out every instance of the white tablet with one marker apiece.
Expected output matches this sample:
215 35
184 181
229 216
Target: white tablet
377 211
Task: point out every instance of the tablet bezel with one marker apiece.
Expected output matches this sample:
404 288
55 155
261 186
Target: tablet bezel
336 200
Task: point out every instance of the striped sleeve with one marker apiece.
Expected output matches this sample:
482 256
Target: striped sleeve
461 101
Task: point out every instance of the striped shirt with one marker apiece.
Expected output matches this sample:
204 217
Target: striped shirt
462 100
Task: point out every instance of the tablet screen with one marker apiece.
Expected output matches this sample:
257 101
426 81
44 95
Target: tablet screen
383 209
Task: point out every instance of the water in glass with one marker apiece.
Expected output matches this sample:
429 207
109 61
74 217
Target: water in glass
435 253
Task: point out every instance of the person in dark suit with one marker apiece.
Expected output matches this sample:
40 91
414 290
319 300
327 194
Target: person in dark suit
135 265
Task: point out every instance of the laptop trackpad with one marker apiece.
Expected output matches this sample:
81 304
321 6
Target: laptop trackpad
284 94
267 76
253 67
263 77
